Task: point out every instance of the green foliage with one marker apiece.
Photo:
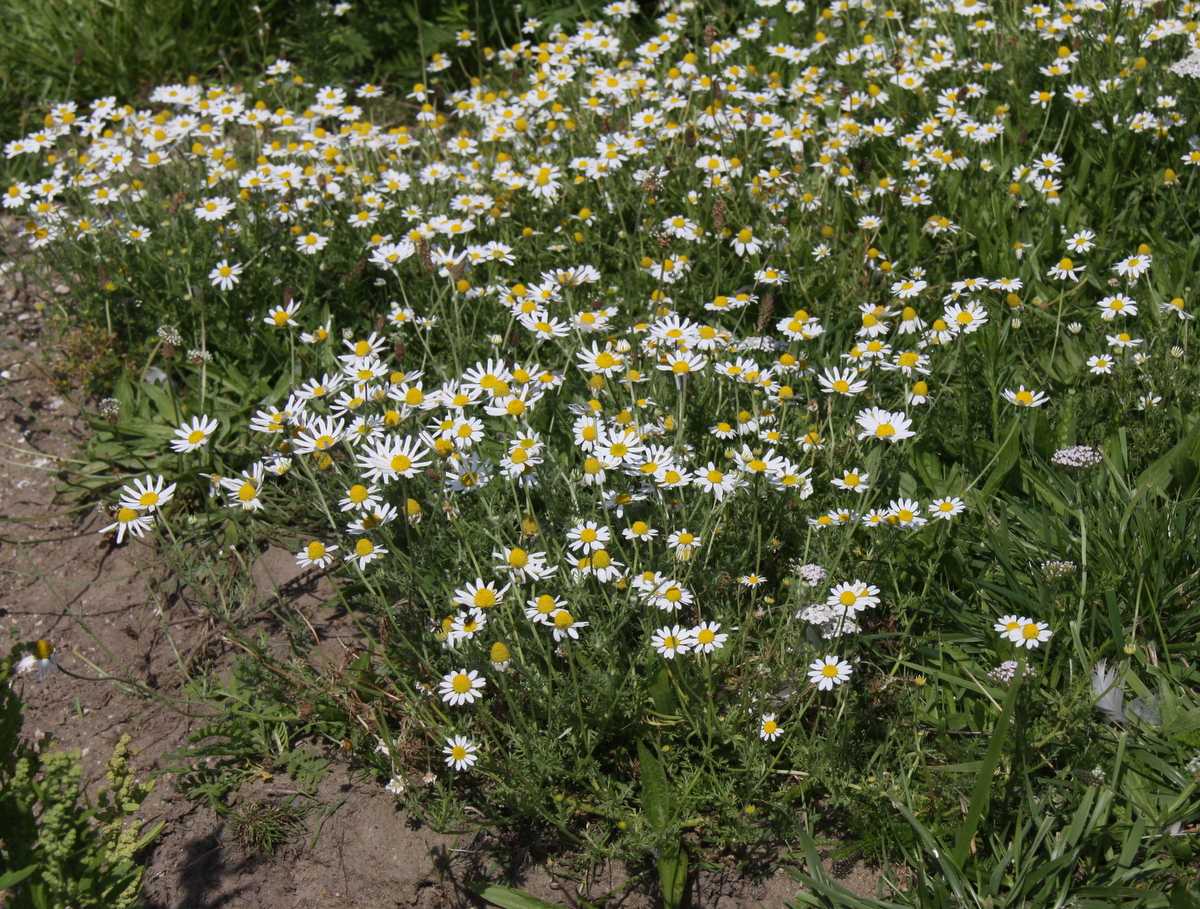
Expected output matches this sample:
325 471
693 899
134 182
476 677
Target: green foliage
263 825
384 40
255 732
980 764
512 898
77 50
662 816
53 852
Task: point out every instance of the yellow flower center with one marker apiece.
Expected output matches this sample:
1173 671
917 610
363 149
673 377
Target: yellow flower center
461 683
315 550
518 558
358 494
829 670
364 548
484 598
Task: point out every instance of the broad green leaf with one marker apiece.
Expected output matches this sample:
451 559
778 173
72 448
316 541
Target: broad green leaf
991 761
509 897
656 792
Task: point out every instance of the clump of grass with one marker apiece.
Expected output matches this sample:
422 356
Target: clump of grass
262 825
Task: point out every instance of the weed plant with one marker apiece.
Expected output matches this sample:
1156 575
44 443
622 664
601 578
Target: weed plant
53 850
721 429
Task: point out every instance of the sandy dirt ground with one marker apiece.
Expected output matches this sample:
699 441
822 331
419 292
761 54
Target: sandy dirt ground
61 580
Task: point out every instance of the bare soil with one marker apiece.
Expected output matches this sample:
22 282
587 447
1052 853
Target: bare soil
97 603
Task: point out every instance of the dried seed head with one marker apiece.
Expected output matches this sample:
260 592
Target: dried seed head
110 408
689 137
765 310
171 338
718 214
710 35
426 255
176 200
